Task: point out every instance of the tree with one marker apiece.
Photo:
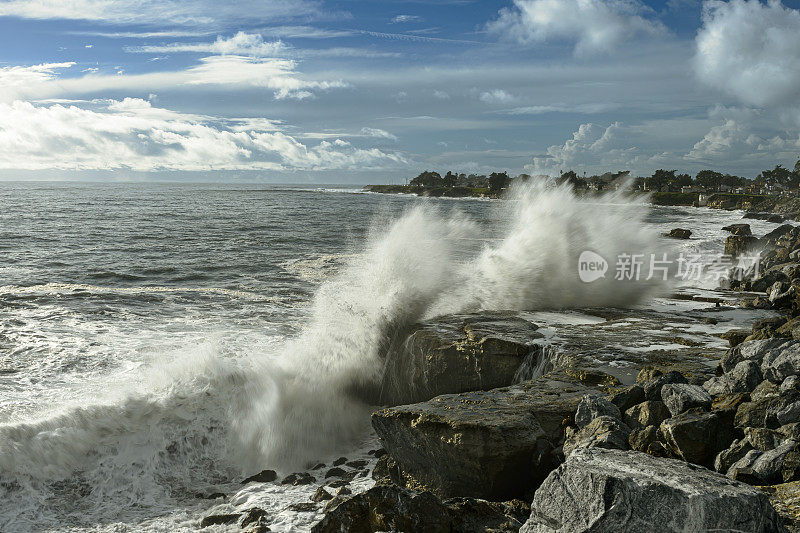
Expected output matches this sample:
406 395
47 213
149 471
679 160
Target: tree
498 181
450 180
427 179
797 167
660 179
709 179
683 180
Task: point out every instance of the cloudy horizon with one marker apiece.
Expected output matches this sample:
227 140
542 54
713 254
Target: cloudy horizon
355 91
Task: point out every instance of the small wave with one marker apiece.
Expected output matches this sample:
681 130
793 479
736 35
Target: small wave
65 288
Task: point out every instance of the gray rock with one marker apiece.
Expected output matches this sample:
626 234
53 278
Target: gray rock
598 490
696 436
457 353
679 397
789 414
679 233
781 294
790 383
646 414
754 350
742 470
765 389
602 432
491 444
591 407
744 377
627 397
641 439
728 457
763 409
652 388
768 467
762 438
781 363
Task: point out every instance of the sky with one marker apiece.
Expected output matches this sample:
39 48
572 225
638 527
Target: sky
352 91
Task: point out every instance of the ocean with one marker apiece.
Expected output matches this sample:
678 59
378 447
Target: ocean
158 342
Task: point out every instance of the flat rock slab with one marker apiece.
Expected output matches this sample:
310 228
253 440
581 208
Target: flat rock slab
602 490
488 444
459 353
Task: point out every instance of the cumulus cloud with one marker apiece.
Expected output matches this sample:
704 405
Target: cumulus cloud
132 134
594 25
189 12
19 76
750 50
497 96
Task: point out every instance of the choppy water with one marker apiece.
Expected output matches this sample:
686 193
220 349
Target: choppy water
142 325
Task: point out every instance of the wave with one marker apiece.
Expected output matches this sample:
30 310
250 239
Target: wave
210 417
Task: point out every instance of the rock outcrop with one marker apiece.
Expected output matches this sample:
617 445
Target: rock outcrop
610 490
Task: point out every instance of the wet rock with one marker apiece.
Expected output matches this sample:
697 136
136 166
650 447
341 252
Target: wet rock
298 478
335 472
601 432
219 519
343 491
735 336
679 397
781 363
387 471
333 503
738 229
648 373
468 515
609 490
640 439
627 397
591 407
679 233
321 495
781 294
387 508
646 414
359 464
302 507
493 444
652 388
459 353
769 327
265 476
762 411
729 402
736 245
253 516
696 436
340 461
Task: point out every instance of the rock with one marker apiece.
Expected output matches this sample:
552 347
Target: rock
765 389
762 438
340 461
458 353
742 470
321 495
790 383
591 407
736 245
754 350
298 478
652 388
343 491
648 373
254 515
679 233
785 499
735 336
468 514
769 466
493 444
219 519
696 436
265 476
387 508
790 431
744 377
657 449
779 364
387 471
730 456
781 294
359 464
599 490
646 414
679 397
738 229
640 439
602 432
335 472
789 414
627 397
769 327
302 507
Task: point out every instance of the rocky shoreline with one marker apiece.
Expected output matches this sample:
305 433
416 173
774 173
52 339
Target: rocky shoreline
499 433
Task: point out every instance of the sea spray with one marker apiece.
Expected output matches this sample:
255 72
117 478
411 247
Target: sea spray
283 410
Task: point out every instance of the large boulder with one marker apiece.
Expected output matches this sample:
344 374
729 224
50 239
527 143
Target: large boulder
493 444
679 233
736 245
754 350
591 407
738 229
652 388
458 353
779 364
599 490
646 414
785 499
743 377
680 397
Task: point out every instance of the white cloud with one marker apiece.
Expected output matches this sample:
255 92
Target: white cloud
402 19
750 50
190 12
19 76
246 44
563 108
594 25
379 133
496 96
441 95
132 134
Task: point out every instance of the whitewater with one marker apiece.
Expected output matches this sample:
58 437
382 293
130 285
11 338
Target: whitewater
161 342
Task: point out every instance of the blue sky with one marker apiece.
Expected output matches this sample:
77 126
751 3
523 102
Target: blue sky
365 91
